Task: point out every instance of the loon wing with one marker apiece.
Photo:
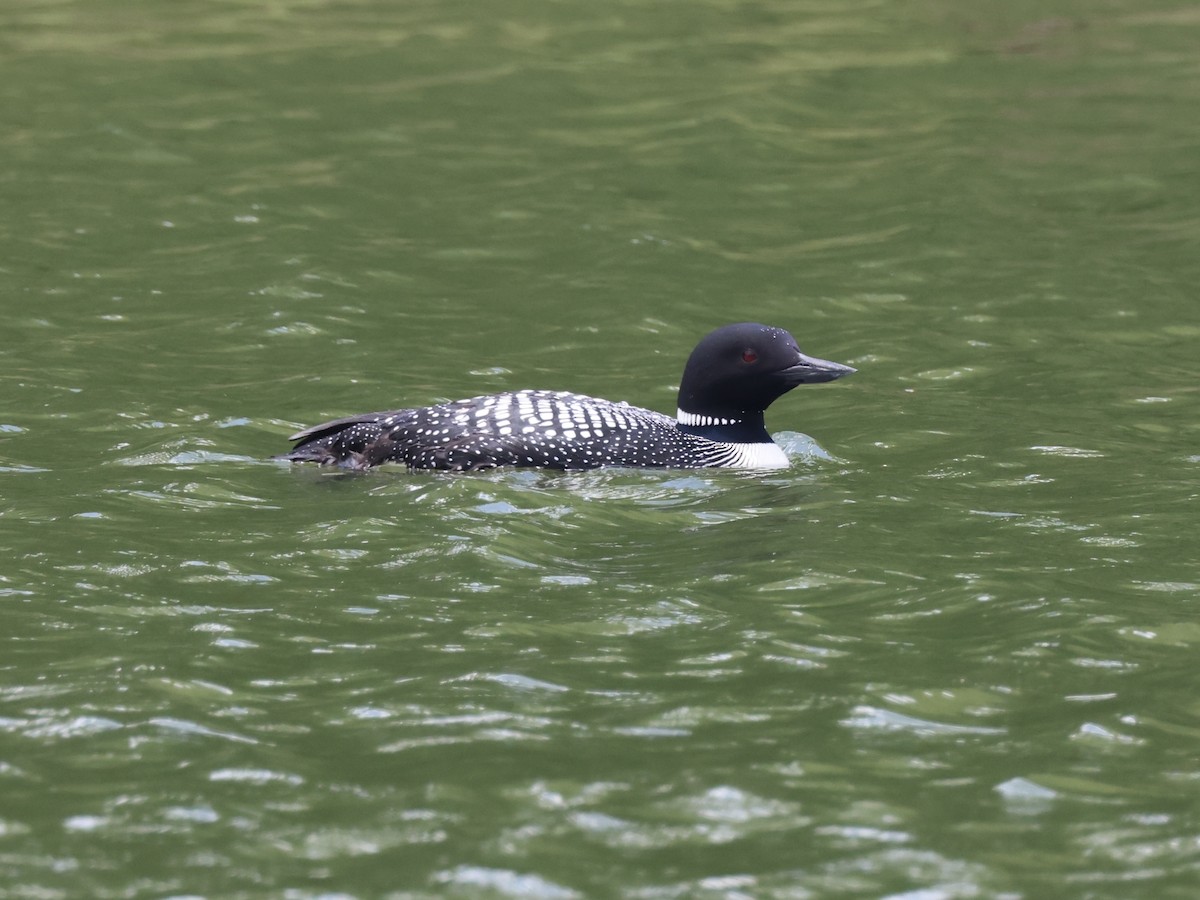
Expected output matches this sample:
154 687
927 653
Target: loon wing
542 429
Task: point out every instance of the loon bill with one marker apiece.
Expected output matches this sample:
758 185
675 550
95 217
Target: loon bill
730 379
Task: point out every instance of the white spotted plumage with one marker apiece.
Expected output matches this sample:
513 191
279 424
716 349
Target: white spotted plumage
531 428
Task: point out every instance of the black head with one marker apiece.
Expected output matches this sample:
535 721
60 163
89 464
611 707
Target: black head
741 369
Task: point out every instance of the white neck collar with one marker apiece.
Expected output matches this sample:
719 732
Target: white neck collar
686 418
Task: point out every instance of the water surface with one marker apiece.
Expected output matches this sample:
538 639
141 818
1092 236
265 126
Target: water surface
949 653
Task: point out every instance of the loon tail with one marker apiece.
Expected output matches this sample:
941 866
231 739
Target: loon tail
356 442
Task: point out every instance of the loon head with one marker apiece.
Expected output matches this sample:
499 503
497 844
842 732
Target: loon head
741 369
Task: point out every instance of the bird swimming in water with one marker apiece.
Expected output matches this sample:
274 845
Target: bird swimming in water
730 379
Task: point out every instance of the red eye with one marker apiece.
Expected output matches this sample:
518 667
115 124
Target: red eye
749 356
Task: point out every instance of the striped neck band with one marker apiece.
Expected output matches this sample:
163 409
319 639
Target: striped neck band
687 418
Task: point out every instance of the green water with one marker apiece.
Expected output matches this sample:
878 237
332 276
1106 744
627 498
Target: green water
952 654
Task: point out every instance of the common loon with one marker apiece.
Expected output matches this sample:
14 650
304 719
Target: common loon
731 377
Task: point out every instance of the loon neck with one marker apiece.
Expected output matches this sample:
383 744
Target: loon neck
747 428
